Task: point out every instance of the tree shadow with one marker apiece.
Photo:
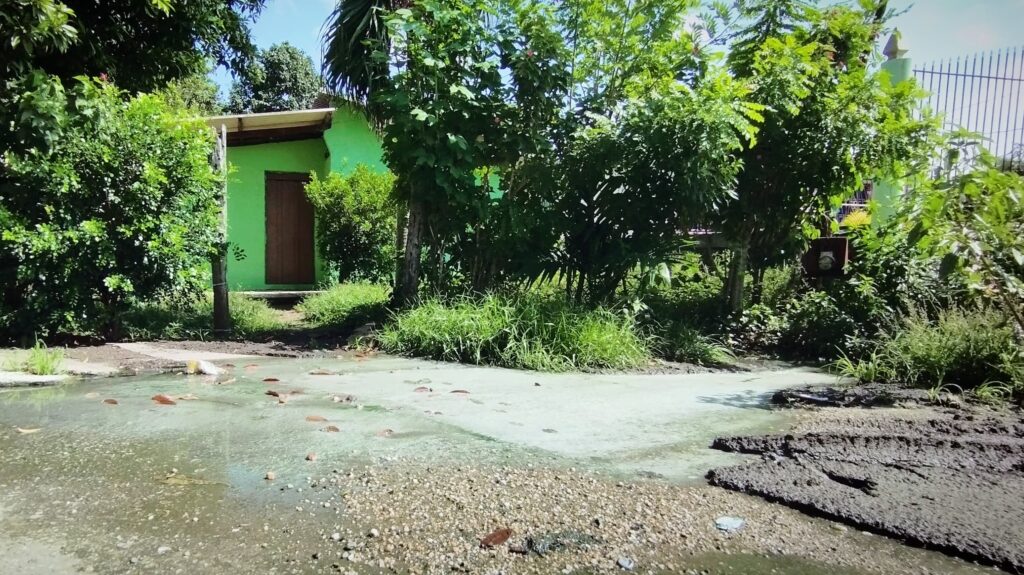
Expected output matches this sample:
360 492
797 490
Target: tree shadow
743 400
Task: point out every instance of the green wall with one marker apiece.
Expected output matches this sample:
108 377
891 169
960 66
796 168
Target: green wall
351 142
247 210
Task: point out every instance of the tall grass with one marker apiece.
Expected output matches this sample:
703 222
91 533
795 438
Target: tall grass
38 360
250 318
969 350
345 305
525 331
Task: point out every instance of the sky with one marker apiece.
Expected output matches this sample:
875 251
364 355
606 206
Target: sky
931 29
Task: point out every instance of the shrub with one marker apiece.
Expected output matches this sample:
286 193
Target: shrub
816 328
680 342
346 304
960 348
193 319
523 332
120 207
758 329
356 222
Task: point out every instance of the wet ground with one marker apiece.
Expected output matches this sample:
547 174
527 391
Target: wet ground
382 465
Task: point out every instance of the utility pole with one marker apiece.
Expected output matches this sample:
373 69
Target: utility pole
221 310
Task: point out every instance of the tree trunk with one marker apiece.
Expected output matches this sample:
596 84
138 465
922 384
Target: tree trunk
737 277
402 219
408 279
221 311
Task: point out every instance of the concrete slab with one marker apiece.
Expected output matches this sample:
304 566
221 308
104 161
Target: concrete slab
21 379
171 354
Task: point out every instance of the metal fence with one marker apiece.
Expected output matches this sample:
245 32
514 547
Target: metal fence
982 93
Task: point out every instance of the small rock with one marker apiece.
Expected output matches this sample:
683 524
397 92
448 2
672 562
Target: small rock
374 532
626 563
729 524
310 457
270 476
162 549
335 536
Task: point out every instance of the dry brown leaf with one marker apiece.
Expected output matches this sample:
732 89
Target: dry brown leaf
163 399
272 392
422 389
332 429
110 401
227 381
188 397
282 399
321 372
295 391
26 431
229 365
251 366
270 380
310 457
460 391
316 418
495 538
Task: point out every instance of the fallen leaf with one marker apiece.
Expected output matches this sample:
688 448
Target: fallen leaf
495 538
270 380
92 395
422 389
332 429
385 433
459 391
270 476
272 392
25 431
252 366
110 401
188 397
310 457
231 365
295 391
282 399
227 381
163 399
316 418
321 372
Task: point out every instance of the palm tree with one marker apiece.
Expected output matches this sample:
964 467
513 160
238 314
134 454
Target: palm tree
351 33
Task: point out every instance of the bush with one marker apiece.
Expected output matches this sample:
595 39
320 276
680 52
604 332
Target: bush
356 222
193 319
121 207
520 332
816 328
680 342
758 329
345 305
959 348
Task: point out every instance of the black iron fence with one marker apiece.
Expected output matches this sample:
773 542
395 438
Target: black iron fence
982 93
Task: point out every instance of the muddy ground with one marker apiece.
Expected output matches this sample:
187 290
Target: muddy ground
945 479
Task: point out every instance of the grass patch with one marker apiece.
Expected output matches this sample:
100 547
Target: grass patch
38 360
528 332
250 317
976 352
346 305
679 342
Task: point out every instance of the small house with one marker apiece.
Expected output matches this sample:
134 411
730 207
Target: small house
270 222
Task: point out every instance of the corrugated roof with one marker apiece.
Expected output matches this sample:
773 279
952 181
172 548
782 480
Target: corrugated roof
235 123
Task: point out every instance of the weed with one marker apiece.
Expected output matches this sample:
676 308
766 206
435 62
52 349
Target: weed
39 360
529 331
346 305
250 318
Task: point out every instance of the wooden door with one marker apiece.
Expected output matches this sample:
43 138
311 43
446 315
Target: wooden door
289 230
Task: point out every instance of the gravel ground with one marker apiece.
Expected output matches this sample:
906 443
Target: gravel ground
950 480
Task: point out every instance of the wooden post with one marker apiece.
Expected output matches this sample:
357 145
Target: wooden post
221 309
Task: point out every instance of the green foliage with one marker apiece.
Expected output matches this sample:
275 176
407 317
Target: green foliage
139 44
192 319
816 328
121 207
974 224
967 349
679 342
196 93
356 216
346 305
282 79
39 360
522 332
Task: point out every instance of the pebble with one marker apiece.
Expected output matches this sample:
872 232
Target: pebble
729 524
162 549
374 532
336 536
626 563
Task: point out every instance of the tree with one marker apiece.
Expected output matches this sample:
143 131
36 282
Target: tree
352 32
196 92
831 121
139 44
121 207
282 79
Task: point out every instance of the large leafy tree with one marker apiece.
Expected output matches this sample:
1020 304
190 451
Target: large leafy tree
196 92
139 44
831 121
282 79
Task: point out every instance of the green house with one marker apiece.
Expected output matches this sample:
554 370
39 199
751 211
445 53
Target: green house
269 219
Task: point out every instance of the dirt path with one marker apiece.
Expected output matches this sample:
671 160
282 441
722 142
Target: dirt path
949 480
